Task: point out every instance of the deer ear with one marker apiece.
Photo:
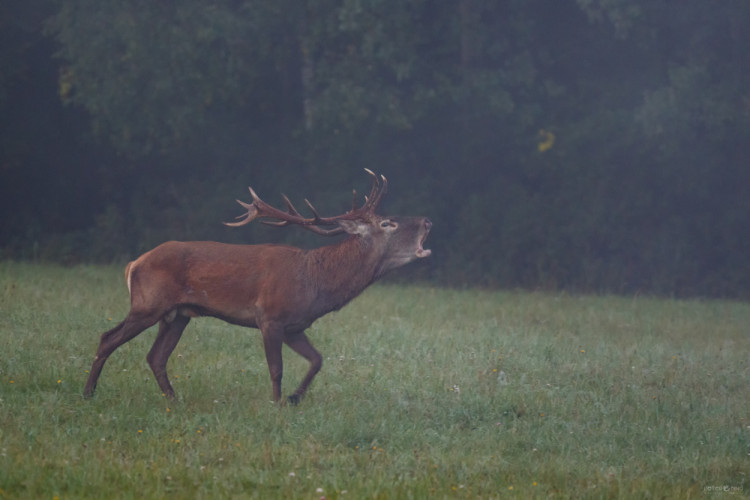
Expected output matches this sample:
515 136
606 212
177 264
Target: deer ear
354 227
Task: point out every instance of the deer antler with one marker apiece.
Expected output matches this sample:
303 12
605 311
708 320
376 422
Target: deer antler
259 209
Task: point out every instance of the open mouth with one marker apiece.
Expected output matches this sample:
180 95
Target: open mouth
424 252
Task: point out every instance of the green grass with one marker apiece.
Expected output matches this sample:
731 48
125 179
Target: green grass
424 393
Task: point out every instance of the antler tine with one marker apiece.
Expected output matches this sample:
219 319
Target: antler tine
376 194
289 205
324 232
246 218
312 209
319 220
257 209
290 210
383 190
278 223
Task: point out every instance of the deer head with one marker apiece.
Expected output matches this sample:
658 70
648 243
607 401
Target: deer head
399 239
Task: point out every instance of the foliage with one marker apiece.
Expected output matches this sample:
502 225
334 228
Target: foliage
588 145
150 77
423 393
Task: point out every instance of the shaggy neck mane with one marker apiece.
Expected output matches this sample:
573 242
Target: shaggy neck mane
342 271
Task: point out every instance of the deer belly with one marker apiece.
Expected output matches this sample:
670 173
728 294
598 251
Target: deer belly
242 317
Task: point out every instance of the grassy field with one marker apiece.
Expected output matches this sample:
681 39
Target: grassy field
424 393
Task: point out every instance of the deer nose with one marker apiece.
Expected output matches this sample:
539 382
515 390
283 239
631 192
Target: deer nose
427 224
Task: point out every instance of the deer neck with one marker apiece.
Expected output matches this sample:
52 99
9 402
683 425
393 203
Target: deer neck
342 271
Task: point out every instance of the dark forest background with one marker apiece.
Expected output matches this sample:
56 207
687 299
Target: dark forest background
586 145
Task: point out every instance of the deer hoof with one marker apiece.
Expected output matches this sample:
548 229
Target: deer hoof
294 399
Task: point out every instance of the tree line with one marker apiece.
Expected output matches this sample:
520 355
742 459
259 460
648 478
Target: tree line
587 145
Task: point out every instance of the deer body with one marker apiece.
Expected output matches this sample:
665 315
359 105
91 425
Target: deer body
279 289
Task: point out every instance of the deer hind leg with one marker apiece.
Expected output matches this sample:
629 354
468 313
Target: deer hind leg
300 344
130 327
169 335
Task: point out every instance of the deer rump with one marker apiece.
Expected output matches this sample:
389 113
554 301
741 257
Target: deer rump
279 289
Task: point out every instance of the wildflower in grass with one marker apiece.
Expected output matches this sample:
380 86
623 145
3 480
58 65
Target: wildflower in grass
140 431
59 381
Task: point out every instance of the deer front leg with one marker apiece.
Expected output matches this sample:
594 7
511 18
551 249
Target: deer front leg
300 344
272 341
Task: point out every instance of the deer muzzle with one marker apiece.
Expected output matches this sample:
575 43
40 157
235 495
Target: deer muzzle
424 252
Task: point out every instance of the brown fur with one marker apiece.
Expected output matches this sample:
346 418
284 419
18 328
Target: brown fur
279 289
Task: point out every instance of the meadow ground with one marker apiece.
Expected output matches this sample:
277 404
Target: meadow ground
424 393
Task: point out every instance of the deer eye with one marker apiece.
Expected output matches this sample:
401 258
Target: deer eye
388 223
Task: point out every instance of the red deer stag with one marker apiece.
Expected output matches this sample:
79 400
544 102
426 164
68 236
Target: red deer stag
279 289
